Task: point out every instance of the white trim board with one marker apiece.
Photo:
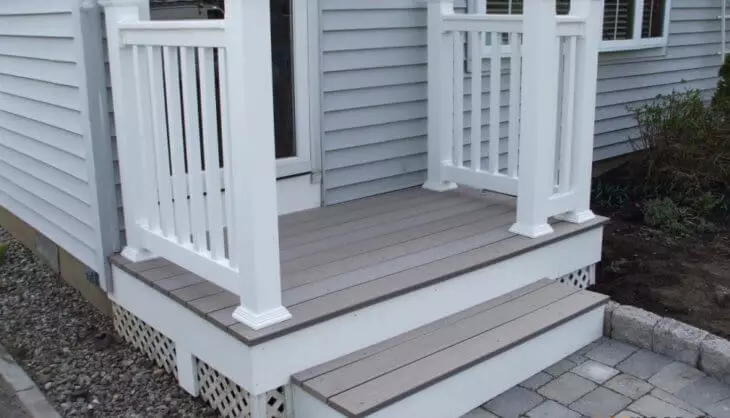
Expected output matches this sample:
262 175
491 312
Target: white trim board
297 193
305 110
271 364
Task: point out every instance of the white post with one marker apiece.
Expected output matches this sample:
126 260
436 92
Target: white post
128 145
538 124
440 100
254 221
585 107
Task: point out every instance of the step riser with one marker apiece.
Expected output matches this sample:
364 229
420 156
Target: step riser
459 394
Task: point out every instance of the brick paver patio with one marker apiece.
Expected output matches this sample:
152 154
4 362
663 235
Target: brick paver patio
612 379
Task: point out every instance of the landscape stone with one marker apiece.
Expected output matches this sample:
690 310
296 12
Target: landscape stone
669 398
479 413
643 364
537 380
600 403
678 340
560 367
610 352
650 406
595 371
715 357
633 325
630 386
676 376
628 414
720 409
551 409
704 392
608 312
514 402
567 388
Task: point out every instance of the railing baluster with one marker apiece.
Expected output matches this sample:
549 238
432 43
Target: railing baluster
226 146
212 173
177 153
495 90
568 115
458 116
192 146
144 125
159 125
476 43
514 103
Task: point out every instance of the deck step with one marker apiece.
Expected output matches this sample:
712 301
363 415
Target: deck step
448 367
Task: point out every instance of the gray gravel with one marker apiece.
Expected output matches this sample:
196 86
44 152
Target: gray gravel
70 349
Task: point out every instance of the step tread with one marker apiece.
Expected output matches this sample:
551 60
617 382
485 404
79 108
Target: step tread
365 381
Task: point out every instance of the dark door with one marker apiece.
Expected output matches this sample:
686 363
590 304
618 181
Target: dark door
281 55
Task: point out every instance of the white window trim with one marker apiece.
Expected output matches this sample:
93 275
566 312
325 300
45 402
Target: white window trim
637 42
304 108
608 46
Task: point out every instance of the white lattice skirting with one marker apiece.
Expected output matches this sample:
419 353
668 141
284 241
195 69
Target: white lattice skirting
227 397
581 278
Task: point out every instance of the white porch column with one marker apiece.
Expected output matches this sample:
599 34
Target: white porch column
538 126
128 142
440 91
585 107
251 159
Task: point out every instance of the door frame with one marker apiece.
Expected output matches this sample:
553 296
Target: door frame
305 60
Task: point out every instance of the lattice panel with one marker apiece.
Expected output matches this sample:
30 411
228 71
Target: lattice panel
157 346
581 278
230 399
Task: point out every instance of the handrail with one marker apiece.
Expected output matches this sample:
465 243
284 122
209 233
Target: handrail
477 22
193 33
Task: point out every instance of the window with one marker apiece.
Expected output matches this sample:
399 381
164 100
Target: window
627 24
634 24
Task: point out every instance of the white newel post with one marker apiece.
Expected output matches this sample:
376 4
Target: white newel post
538 124
440 91
585 105
254 230
128 142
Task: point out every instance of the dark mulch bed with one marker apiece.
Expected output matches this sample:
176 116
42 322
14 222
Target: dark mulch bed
684 278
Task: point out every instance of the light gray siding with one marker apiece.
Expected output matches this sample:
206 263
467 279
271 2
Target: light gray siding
374 88
54 142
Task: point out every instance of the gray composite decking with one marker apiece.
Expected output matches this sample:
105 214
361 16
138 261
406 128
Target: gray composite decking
344 257
360 383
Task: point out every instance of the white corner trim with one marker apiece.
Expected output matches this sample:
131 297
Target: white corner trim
297 193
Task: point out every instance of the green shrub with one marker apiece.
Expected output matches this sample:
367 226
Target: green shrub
686 149
665 214
3 251
721 99
608 195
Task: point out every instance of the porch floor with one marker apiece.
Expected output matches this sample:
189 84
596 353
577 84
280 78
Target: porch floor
344 257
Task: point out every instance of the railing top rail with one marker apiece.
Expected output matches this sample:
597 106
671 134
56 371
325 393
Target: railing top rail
482 22
192 33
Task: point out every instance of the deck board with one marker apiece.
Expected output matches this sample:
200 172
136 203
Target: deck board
411 377
344 257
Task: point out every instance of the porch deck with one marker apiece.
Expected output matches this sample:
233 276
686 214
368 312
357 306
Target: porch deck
341 258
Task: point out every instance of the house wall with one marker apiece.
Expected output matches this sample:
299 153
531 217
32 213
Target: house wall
54 140
374 88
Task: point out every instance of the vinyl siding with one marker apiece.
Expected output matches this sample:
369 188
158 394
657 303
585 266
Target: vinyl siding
374 88
48 171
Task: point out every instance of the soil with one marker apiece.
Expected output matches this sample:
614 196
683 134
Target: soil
685 278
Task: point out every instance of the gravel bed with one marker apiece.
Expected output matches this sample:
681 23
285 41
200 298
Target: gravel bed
71 351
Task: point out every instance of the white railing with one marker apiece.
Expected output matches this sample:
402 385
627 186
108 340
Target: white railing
535 99
197 157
